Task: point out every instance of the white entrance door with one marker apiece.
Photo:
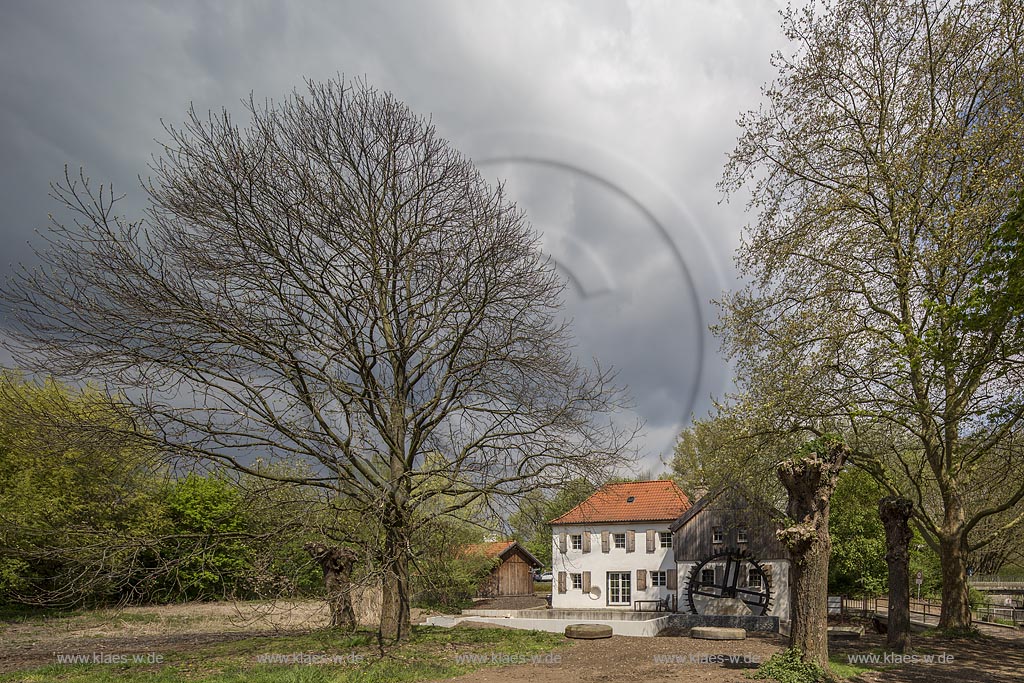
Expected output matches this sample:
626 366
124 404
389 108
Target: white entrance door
619 588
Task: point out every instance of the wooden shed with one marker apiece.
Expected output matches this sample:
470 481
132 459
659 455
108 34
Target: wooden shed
514 574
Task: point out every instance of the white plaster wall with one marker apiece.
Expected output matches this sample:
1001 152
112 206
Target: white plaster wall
599 564
780 587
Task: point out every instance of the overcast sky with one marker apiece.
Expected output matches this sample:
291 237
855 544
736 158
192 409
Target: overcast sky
609 121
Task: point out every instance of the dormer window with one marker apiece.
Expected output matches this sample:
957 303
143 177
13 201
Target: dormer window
631 499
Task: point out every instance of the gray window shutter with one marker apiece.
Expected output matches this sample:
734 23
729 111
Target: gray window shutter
561 582
651 536
586 582
561 542
641 579
670 580
586 541
604 542
630 541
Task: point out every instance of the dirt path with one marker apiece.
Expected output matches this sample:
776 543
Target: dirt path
989 659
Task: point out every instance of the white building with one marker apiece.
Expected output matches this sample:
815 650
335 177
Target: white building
634 545
615 548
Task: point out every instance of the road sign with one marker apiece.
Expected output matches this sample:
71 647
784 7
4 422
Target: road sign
919 579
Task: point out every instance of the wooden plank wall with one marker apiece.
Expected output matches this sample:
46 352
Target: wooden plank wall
729 512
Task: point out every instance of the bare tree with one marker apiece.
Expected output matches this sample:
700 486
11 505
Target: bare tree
331 282
882 300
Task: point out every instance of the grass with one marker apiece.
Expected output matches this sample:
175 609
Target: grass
841 668
430 653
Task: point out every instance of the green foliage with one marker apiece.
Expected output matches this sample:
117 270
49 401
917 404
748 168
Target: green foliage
87 514
857 562
76 496
203 547
449 584
788 667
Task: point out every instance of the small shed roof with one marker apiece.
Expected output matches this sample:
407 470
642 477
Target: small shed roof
501 549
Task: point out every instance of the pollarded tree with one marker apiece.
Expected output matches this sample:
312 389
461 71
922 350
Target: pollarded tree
331 282
884 296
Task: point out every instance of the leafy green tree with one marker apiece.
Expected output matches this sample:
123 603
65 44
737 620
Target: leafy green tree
204 551
857 563
883 296
78 500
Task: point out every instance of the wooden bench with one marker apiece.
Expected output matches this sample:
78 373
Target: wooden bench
656 605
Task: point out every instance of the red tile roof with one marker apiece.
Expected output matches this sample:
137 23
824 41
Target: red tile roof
499 549
490 549
652 501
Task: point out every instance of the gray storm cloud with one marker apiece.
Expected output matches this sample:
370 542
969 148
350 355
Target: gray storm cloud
654 85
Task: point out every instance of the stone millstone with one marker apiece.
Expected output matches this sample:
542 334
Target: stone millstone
717 633
588 631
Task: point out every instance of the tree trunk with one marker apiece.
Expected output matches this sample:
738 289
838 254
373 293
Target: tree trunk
395 613
810 479
337 563
895 513
956 603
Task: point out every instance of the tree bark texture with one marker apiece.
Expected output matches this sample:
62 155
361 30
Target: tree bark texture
809 480
895 513
337 563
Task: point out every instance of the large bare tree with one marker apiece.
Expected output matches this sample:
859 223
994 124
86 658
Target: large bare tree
884 295
330 282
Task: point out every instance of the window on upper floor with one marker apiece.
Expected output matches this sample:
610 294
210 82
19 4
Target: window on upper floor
666 539
717 535
620 540
576 541
741 535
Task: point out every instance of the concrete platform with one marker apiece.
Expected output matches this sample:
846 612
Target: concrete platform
717 633
845 632
623 624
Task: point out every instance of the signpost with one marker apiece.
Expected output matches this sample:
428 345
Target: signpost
919 579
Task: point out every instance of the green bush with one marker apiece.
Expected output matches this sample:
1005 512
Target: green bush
788 667
203 555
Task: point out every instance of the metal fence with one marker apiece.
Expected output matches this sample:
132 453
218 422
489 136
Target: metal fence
926 611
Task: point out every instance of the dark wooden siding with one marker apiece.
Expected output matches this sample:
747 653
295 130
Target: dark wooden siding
730 512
